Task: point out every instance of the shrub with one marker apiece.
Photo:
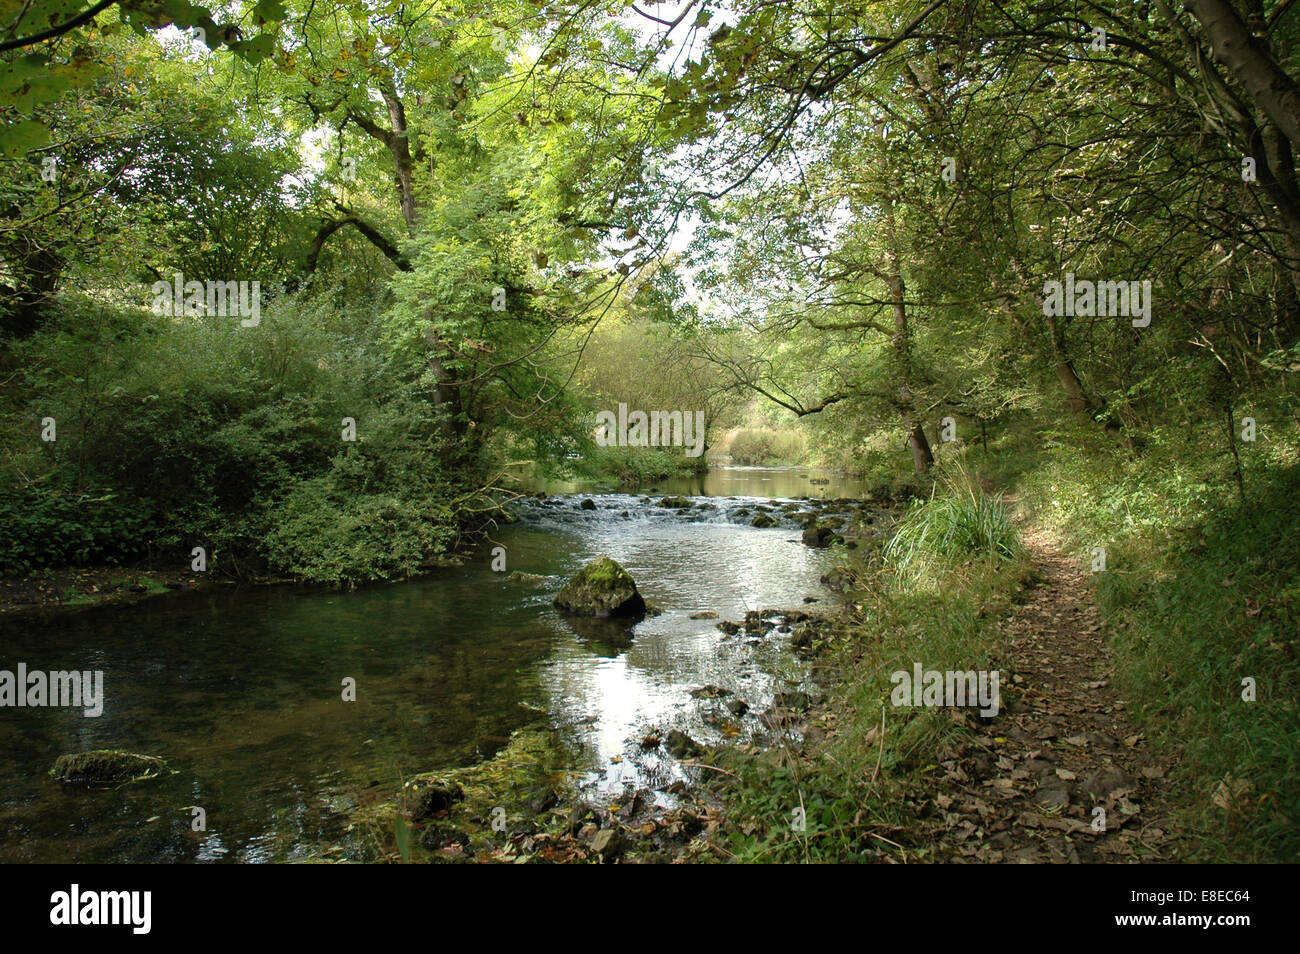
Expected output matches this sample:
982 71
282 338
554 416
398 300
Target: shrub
321 534
45 527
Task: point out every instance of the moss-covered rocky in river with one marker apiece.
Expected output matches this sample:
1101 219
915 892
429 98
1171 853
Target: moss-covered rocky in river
104 766
601 588
521 807
473 811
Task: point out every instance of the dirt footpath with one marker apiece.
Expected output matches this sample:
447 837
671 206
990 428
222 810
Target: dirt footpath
1036 780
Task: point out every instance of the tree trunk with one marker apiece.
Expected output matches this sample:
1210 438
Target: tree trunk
1273 91
1076 398
399 145
446 396
922 457
36 279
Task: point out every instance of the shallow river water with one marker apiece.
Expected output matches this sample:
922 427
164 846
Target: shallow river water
239 687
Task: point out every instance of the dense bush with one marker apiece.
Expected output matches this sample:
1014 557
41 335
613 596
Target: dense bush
45 528
325 535
175 434
634 466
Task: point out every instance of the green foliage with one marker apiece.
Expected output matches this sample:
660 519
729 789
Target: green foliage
35 77
765 447
198 432
637 466
834 272
402 832
48 528
326 530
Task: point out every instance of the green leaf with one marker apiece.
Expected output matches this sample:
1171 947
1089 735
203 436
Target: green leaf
403 833
17 139
269 10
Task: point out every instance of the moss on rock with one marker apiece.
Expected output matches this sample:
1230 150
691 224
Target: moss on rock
106 765
601 588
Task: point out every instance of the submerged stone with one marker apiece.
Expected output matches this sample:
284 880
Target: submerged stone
601 588
710 691
522 577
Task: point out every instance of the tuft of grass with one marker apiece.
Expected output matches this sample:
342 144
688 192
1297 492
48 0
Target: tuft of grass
964 523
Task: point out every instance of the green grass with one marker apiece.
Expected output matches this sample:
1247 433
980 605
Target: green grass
962 523
71 596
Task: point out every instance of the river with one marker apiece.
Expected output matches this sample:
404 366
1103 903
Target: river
240 687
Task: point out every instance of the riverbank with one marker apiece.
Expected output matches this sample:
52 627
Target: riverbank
1058 774
80 587
69 589
1115 741
1147 646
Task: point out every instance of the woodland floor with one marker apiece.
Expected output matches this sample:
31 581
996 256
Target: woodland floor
1026 788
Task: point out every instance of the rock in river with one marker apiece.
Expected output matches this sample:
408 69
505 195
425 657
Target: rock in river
681 745
710 692
521 577
601 588
818 536
608 843
106 765
424 797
